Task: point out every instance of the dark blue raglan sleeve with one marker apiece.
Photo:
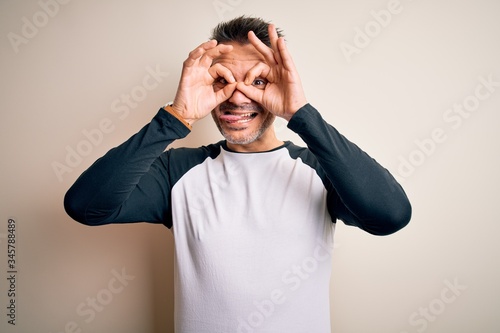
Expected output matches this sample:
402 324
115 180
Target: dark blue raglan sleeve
130 183
364 193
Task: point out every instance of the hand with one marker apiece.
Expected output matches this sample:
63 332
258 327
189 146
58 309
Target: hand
195 97
283 94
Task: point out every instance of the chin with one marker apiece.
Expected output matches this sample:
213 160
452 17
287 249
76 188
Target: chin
237 139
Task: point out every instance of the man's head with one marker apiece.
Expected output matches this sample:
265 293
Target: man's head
240 119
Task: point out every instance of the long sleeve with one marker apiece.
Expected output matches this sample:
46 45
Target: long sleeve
364 193
130 183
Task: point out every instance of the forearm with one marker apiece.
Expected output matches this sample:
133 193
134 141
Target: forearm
100 194
370 197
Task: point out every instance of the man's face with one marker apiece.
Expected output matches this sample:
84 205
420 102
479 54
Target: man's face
240 119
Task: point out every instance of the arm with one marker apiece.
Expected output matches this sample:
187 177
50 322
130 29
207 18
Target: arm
365 194
130 183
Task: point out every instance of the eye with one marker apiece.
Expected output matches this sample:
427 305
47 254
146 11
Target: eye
221 81
260 83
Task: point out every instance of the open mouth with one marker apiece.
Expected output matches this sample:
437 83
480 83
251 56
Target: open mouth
237 118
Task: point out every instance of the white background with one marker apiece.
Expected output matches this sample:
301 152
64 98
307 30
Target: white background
66 68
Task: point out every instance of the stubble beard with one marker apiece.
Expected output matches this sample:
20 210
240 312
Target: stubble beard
235 139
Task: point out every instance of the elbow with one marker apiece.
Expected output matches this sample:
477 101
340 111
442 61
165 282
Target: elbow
80 210
392 221
73 207
398 220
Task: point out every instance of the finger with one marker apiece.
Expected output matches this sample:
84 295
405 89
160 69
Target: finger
273 37
259 70
218 70
199 51
251 92
210 48
286 57
225 93
263 49
208 57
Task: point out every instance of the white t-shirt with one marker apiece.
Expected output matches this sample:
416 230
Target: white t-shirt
253 242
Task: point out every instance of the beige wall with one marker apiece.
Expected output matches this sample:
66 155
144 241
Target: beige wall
396 90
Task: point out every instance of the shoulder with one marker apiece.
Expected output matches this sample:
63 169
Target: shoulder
303 153
178 161
194 154
308 158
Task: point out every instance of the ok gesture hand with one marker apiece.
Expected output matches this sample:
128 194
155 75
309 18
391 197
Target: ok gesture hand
195 96
283 94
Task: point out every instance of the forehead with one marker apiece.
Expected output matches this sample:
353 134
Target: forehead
240 56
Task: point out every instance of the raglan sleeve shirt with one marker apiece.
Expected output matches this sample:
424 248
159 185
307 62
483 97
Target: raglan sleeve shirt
131 183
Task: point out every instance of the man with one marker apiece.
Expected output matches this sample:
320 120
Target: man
252 216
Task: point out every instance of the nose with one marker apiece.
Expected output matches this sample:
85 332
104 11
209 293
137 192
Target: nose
239 98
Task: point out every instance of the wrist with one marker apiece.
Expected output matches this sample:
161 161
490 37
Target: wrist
182 113
287 116
174 112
